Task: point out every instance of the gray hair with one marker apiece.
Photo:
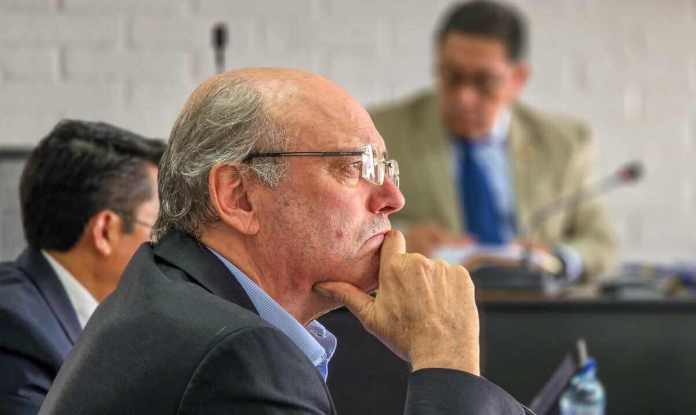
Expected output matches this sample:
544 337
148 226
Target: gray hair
223 121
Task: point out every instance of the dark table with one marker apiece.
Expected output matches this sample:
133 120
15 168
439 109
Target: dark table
646 351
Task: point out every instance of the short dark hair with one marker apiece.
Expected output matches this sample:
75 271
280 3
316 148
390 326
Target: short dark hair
491 19
77 170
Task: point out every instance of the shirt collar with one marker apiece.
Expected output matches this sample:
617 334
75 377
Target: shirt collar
315 341
501 128
81 299
499 132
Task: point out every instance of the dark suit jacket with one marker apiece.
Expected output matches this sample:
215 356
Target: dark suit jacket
180 336
38 327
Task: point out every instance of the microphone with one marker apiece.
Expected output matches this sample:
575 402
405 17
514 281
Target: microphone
631 172
219 41
627 174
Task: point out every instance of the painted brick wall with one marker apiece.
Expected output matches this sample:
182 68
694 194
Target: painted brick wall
626 66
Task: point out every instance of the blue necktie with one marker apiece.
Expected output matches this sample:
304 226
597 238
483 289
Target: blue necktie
484 221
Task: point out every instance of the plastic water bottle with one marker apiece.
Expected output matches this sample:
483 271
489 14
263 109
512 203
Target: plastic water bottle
585 394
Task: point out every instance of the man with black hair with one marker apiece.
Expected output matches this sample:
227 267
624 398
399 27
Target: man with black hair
88 196
477 164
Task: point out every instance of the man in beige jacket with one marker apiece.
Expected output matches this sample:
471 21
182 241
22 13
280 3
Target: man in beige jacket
477 165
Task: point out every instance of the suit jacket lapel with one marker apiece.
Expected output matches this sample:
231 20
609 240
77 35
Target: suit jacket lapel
521 154
440 166
50 287
201 265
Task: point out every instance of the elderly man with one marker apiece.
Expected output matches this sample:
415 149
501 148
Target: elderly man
275 204
479 165
88 200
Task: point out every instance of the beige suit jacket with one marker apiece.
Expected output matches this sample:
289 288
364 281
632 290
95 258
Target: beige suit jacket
550 157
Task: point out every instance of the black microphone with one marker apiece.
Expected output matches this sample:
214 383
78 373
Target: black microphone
627 174
631 172
219 40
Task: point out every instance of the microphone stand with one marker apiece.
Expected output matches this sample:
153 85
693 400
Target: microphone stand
219 41
631 172
526 277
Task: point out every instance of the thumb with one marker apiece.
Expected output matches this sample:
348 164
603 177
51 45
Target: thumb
394 244
358 302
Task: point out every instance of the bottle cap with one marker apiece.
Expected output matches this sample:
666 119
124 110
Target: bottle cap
590 365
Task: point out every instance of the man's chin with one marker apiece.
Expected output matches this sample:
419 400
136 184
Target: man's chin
470 132
467 129
362 273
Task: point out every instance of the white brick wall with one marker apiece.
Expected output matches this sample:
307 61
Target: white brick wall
626 66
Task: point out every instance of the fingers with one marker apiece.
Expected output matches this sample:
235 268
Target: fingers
394 243
358 302
393 248
531 245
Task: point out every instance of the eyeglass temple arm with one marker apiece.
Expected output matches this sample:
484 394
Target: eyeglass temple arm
304 154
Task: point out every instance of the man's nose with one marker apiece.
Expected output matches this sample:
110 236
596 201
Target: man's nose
466 96
387 198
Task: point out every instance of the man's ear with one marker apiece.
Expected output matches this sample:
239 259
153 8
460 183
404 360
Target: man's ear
229 194
105 229
520 75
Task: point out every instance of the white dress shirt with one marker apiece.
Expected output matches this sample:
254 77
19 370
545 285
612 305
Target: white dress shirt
82 300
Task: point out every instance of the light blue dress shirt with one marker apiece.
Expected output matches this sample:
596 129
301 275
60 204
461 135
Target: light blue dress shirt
494 157
315 341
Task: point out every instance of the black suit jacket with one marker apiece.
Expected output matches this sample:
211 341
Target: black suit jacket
38 327
180 336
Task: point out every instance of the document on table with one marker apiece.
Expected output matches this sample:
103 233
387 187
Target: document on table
511 253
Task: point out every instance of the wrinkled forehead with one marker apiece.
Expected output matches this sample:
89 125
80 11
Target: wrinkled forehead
321 116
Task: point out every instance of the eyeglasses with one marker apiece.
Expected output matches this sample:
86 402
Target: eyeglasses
143 223
372 169
132 219
486 84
